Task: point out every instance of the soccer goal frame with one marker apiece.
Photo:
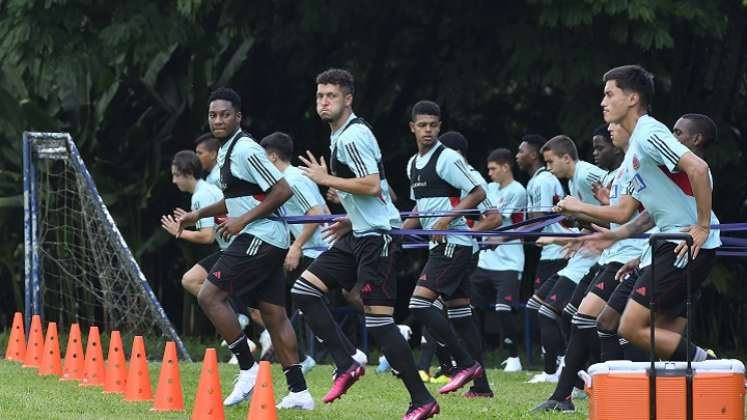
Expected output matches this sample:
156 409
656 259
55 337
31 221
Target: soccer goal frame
40 146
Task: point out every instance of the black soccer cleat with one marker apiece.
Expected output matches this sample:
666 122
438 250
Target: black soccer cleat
554 405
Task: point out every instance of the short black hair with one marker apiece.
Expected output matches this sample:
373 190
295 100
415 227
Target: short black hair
187 163
501 156
209 141
280 143
633 78
339 77
603 130
704 126
454 140
425 108
226 94
534 140
561 145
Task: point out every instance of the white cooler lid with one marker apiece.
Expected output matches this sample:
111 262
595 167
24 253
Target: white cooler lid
626 366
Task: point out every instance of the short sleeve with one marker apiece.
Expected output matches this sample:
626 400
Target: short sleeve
200 200
303 195
663 149
260 169
452 168
359 151
548 193
409 176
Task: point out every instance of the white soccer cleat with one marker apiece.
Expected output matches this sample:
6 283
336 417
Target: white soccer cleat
243 321
543 377
298 400
307 364
233 360
266 342
243 387
360 357
513 364
405 330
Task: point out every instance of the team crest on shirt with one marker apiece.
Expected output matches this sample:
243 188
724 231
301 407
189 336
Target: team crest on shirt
636 162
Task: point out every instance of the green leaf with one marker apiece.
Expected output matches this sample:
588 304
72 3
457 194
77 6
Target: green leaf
235 63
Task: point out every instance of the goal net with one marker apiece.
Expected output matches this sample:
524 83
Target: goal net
78 266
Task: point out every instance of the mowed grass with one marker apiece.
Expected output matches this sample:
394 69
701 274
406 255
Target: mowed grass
25 395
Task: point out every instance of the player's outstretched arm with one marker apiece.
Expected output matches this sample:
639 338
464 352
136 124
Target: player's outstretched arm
295 252
278 194
620 213
317 171
697 172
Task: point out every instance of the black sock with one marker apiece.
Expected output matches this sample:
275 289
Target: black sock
439 326
309 299
633 353
463 321
295 379
552 338
583 335
444 359
243 354
427 350
565 320
697 354
508 332
399 356
609 345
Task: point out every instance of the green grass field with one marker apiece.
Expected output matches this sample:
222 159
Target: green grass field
25 395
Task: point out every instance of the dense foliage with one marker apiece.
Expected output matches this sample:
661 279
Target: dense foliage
130 80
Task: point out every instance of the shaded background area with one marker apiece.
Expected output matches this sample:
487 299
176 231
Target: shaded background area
130 83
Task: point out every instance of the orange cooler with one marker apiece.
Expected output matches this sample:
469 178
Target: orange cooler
620 390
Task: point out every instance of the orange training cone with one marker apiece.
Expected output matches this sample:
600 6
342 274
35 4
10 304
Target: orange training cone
116 366
138 378
263 400
16 349
72 368
169 392
35 346
51 363
93 367
208 404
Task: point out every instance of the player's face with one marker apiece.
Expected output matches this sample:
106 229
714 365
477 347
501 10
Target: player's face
426 129
683 131
331 101
620 136
525 157
497 172
181 181
207 157
223 118
615 103
559 166
604 152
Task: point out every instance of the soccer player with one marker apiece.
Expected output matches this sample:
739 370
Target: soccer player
674 186
563 161
497 280
362 254
206 148
251 268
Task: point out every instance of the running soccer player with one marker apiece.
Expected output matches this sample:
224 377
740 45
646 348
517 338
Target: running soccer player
562 159
362 255
674 186
497 280
251 268
206 148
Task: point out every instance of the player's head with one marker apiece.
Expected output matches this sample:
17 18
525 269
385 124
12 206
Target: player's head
425 122
528 156
334 94
606 154
206 148
224 112
695 131
500 165
278 146
456 141
185 169
619 135
626 89
560 155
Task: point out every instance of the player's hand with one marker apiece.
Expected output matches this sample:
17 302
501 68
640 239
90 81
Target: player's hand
292 258
337 230
569 204
231 227
170 225
315 169
601 193
185 220
627 268
441 224
602 239
699 234
570 248
332 196
179 212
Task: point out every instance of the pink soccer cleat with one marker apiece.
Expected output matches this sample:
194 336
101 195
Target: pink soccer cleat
462 377
424 411
343 382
